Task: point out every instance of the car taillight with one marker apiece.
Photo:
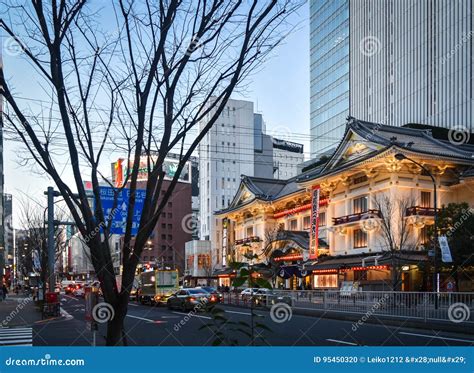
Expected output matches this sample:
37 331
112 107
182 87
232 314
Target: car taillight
213 298
192 299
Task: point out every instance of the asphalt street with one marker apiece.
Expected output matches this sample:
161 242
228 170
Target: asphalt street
155 326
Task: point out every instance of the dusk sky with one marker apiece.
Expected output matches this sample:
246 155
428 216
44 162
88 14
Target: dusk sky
279 90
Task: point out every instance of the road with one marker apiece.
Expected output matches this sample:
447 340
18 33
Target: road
155 326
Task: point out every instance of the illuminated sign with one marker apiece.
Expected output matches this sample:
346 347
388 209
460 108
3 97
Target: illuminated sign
313 244
169 166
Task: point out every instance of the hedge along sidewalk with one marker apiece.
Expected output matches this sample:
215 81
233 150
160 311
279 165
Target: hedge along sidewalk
18 310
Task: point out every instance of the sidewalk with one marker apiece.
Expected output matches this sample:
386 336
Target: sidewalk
18 310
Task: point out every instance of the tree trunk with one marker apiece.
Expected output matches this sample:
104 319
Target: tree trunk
116 335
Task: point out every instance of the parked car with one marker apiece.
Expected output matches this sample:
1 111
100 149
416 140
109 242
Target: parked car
246 294
213 291
71 287
187 299
268 297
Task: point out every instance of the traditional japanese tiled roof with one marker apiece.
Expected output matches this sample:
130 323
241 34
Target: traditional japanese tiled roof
263 189
369 259
468 173
416 140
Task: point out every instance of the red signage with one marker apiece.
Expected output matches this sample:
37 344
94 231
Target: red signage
313 243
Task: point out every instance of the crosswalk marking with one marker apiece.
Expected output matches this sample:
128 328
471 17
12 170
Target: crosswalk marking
16 336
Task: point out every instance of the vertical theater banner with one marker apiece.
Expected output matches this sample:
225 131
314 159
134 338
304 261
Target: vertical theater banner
314 239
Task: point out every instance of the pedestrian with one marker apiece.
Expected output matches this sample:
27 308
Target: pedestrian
4 291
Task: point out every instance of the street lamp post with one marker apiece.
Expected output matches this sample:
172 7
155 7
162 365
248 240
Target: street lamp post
400 157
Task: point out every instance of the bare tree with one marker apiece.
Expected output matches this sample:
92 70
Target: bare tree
395 232
35 231
157 83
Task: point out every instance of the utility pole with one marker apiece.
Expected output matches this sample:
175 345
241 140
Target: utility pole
51 279
51 193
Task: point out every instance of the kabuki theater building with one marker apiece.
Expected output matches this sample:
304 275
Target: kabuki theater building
363 216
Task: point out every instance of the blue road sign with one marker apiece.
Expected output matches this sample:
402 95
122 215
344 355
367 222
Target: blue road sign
119 215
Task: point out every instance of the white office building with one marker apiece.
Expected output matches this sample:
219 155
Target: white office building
236 145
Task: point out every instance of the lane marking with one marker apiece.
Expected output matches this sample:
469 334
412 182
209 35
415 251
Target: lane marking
16 342
148 320
70 297
438 337
4 335
3 330
193 315
343 342
7 338
134 305
244 313
140 318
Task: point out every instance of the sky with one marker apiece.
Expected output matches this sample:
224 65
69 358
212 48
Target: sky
279 90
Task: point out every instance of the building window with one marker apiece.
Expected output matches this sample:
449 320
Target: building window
424 237
152 258
145 258
360 239
425 199
360 205
325 281
293 225
249 232
170 237
306 222
170 226
163 225
170 215
322 219
170 204
163 236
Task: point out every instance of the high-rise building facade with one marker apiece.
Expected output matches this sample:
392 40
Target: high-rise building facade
225 153
236 145
409 62
329 58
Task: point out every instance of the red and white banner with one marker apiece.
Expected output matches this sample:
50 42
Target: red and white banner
314 239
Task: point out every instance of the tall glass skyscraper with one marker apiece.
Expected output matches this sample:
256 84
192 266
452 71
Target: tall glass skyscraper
409 62
329 72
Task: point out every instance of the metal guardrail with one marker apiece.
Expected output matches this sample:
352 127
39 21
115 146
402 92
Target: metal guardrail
455 306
